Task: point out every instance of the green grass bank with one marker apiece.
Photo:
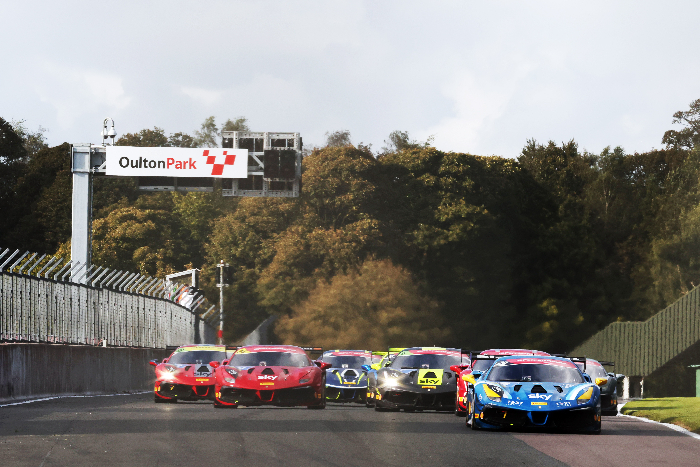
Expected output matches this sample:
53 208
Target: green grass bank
681 411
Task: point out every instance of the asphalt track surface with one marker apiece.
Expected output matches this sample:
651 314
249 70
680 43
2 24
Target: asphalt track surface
130 430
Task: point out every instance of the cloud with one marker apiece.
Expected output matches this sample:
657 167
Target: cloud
201 96
75 92
478 102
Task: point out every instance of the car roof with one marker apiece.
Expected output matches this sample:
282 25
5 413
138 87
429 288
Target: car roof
271 348
193 347
506 352
430 351
347 353
535 360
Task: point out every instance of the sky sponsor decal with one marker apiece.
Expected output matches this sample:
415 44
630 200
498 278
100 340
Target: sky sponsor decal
545 397
131 161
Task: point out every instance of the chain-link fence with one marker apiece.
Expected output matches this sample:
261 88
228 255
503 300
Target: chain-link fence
109 308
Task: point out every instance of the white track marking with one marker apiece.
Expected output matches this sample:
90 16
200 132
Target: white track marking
64 397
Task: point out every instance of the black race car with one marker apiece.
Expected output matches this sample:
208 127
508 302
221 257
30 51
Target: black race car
419 378
608 391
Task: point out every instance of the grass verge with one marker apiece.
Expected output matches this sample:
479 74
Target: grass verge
681 411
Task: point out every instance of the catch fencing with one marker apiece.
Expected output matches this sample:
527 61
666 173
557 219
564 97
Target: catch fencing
40 309
640 348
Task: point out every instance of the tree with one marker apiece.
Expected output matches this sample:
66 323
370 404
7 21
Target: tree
145 138
688 137
338 139
239 124
13 157
400 141
33 141
374 307
181 140
208 136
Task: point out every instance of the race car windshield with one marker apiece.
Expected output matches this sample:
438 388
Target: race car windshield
347 361
425 361
535 373
270 359
195 356
594 371
482 365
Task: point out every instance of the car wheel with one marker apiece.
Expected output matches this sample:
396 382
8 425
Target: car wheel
370 402
321 405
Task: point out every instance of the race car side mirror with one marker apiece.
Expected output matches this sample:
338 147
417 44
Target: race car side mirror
366 367
214 364
601 381
154 362
458 368
322 365
469 378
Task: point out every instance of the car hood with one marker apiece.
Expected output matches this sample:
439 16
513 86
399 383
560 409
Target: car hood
184 371
346 376
271 373
538 392
418 376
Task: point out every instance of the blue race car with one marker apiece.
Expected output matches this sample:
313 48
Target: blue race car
346 380
534 392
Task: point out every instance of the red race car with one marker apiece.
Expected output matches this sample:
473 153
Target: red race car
481 364
281 375
187 374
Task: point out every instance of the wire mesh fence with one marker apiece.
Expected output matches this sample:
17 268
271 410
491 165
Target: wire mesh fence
99 306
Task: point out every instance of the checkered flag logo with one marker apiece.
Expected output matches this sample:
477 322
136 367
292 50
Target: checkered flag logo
218 167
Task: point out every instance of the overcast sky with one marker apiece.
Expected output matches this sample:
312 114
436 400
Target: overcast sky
481 76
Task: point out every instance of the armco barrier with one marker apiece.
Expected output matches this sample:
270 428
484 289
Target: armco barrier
30 371
35 309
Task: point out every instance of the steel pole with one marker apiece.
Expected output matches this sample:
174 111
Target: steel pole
221 314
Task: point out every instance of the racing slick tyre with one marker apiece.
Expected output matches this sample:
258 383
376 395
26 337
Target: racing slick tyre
321 405
369 402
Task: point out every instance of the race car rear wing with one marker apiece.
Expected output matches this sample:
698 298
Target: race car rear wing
579 360
314 350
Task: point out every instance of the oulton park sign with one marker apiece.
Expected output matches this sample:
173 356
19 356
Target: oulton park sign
176 162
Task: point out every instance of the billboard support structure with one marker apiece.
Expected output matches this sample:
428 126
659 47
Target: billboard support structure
272 169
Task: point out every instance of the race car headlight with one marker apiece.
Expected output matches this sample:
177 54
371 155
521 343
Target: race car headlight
170 368
390 381
305 379
391 378
229 380
585 398
232 372
493 392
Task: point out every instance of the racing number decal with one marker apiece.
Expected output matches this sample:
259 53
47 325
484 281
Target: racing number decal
428 377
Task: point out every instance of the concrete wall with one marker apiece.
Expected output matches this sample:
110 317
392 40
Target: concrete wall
29 371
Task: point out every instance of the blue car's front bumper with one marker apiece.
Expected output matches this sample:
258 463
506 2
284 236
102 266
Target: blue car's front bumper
493 416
